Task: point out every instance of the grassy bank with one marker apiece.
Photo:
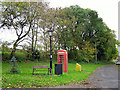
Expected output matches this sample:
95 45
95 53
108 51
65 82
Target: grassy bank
26 80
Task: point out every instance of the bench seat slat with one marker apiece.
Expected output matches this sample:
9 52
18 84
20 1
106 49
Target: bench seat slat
41 70
40 66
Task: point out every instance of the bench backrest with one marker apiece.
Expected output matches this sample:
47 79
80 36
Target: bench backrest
40 66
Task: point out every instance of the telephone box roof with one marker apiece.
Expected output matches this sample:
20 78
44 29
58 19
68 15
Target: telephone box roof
62 51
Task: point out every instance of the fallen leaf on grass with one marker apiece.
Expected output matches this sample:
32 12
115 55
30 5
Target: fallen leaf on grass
85 82
85 72
22 83
4 80
34 85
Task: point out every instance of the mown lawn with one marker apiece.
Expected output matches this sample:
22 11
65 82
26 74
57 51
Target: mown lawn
26 80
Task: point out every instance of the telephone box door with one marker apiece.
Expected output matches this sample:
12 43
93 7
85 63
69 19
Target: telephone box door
62 58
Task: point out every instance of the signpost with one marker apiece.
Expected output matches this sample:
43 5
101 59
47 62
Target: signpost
50 34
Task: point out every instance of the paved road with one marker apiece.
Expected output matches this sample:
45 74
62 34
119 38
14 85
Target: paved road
104 77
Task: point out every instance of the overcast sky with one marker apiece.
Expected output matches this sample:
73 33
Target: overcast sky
107 10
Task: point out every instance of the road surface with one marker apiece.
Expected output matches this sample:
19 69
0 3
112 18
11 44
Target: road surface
103 77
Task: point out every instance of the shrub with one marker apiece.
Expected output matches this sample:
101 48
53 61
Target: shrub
14 68
6 56
20 56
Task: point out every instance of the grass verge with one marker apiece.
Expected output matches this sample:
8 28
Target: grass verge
26 80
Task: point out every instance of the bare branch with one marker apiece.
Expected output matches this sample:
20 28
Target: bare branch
27 31
21 40
22 26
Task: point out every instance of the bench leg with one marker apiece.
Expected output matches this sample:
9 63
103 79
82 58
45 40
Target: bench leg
48 70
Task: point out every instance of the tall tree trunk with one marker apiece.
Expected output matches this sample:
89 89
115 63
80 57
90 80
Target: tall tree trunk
36 40
32 43
14 49
18 41
36 32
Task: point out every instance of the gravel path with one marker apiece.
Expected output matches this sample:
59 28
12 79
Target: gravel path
103 77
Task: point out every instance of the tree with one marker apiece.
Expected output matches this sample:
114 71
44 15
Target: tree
107 46
72 25
85 34
49 21
20 16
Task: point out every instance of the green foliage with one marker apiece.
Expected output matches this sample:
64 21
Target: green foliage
6 56
117 42
88 52
20 56
23 56
84 35
4 46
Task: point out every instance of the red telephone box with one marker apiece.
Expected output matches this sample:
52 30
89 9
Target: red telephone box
62 58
